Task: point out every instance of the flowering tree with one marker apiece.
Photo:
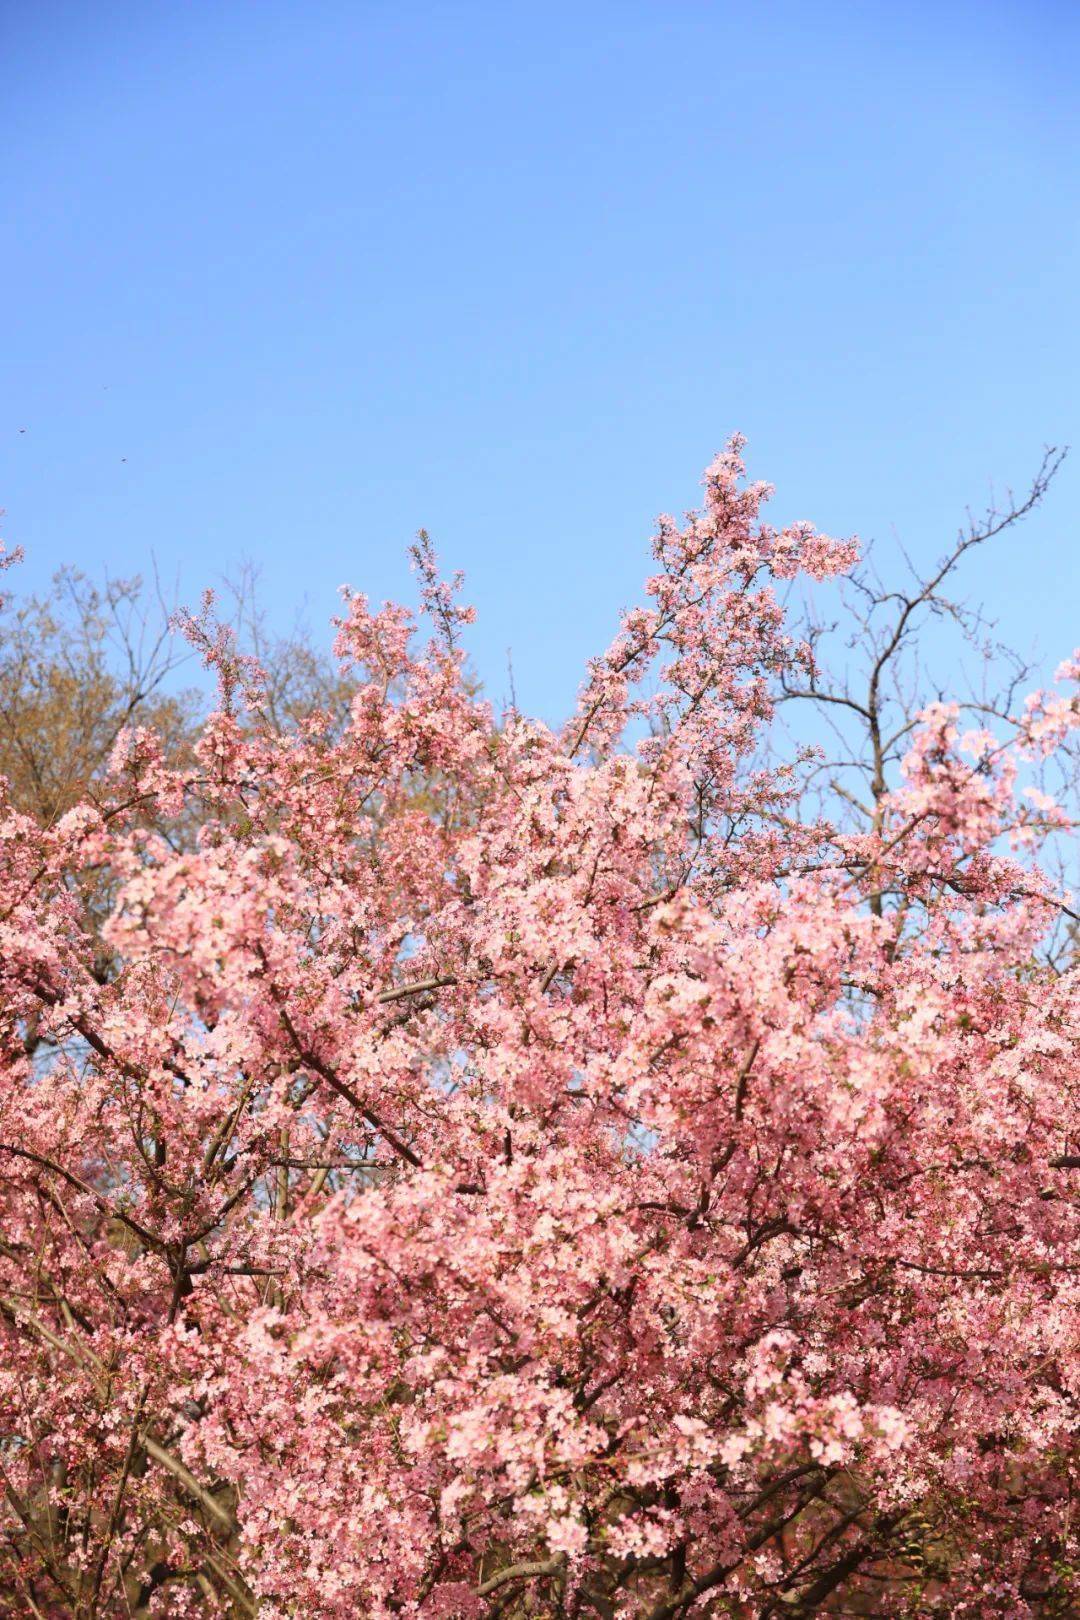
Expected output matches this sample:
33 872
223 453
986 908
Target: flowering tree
511 1172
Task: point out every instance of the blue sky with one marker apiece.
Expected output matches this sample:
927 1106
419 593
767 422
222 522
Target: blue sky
286 281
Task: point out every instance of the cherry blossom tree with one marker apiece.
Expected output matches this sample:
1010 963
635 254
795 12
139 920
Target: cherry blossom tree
506 1171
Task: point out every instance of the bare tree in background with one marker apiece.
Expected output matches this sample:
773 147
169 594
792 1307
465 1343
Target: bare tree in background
301 677
78 663
82 660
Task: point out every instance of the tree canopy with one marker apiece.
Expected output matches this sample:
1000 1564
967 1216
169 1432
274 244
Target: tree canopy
455 1167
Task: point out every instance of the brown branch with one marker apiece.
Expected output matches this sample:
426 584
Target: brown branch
521 1572
399 991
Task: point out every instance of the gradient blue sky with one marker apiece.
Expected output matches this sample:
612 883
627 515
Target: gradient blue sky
287 281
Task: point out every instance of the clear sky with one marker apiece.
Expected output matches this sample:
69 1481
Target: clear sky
287 280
